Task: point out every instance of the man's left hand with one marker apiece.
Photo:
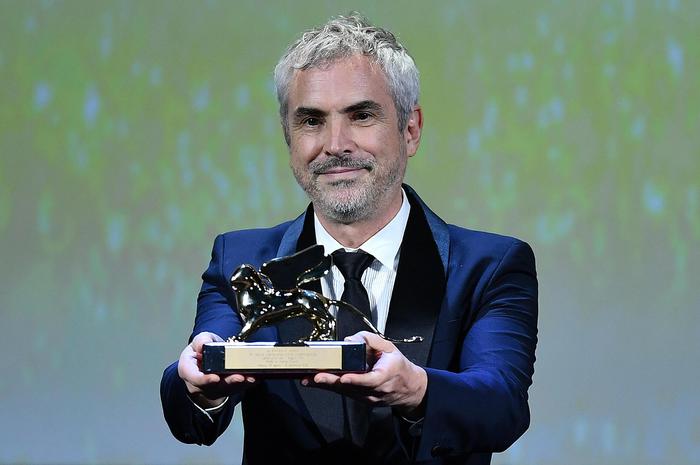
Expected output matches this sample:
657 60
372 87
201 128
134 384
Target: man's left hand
393 380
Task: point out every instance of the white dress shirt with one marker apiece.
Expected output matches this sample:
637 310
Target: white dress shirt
379 277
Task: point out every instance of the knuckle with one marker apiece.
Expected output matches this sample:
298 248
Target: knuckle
383 389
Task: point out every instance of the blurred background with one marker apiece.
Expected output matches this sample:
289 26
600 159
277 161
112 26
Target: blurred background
131 133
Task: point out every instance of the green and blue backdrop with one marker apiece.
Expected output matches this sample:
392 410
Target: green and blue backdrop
132 132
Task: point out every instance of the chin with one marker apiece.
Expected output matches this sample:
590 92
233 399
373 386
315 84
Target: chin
346 205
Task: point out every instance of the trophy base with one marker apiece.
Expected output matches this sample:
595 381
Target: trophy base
274 360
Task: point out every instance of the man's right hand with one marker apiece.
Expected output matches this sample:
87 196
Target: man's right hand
207 390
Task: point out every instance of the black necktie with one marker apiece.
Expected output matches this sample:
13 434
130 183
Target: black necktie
352 265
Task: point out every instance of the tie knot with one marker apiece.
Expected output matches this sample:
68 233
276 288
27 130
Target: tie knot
352 264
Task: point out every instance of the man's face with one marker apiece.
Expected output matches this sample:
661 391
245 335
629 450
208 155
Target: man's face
346 150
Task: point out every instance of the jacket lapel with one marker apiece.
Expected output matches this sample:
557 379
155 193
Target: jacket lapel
419 287
303 227
324 408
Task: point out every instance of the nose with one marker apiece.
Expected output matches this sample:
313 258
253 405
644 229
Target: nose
339 140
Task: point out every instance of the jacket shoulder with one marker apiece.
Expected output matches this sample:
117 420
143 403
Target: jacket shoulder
461 234
252 246
260 235
473 242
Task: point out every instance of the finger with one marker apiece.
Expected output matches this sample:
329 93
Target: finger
190 372
326 378
235 378
355 392
196 378
188 369
375 400
307 381
371 379
382 370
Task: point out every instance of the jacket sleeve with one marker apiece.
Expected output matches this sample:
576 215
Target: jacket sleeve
215 313
482 405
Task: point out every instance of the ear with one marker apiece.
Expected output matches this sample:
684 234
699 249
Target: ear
413 130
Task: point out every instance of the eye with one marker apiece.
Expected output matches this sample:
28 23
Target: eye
362 116
312 121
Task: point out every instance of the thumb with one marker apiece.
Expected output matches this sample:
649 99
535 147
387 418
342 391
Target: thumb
204 338
375 342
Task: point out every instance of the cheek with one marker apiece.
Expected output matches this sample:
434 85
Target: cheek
304 149
376 141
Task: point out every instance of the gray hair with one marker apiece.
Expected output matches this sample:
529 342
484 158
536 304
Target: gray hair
343 37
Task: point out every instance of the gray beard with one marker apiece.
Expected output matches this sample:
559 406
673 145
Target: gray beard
347 210
357 202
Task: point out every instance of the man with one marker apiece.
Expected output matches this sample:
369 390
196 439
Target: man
348 95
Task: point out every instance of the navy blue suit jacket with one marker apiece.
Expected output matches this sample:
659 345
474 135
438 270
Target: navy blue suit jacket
479 353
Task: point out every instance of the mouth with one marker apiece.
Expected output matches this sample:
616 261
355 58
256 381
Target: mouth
339 171
341 167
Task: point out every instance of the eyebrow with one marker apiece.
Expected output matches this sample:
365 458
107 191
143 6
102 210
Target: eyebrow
303 112
364 105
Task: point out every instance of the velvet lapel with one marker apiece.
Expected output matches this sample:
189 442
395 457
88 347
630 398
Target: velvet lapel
297 328
324 408
419 287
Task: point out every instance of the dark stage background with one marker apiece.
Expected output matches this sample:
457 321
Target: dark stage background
133 132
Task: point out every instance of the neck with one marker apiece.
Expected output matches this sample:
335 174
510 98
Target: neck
355 234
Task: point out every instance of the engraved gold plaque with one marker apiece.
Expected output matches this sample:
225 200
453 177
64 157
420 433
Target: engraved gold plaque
253 357
269 358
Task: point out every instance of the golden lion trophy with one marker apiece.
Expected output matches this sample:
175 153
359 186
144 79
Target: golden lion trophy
273 297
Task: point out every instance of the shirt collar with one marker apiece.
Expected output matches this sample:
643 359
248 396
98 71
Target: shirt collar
384 245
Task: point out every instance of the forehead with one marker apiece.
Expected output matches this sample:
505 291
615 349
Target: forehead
338 84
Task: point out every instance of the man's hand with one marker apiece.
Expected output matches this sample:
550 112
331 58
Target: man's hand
207 390
394 380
